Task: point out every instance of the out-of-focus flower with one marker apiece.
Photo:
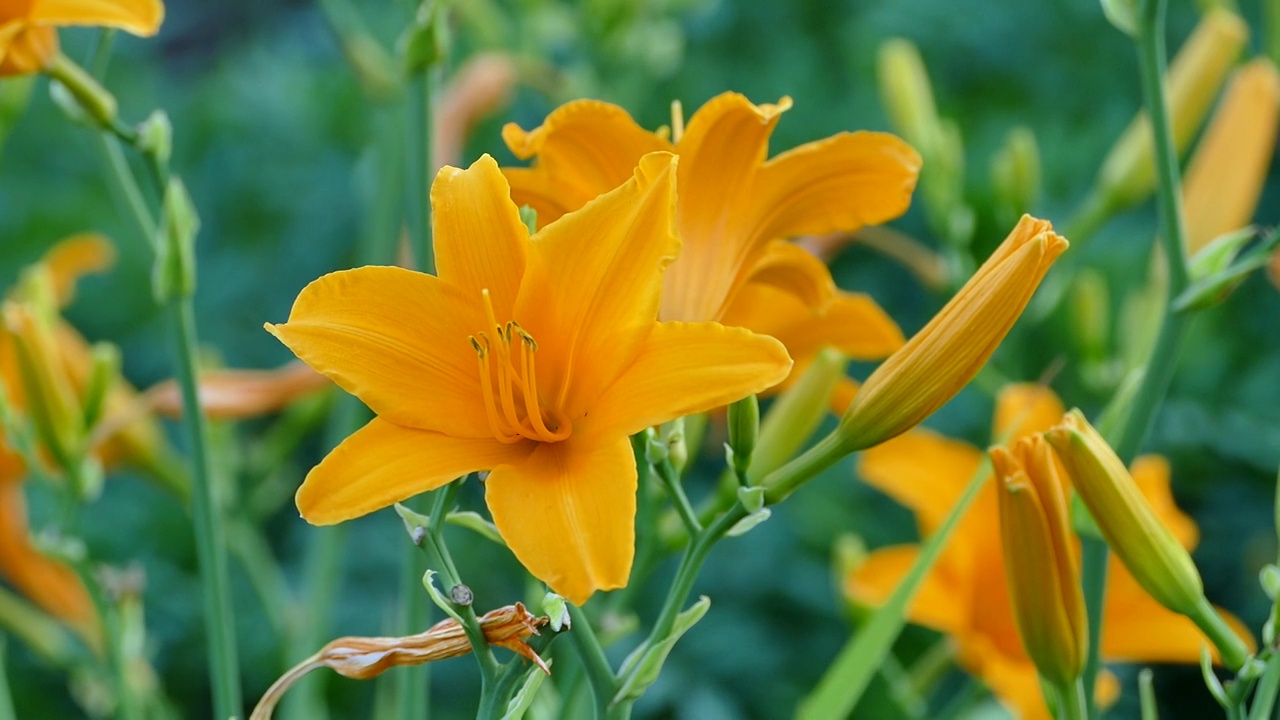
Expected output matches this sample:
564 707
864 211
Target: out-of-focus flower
1040 560
964 595
478 89
532 357
945 355
362 658
1225 177
29 41
230 394
66 366
735 211
1128 175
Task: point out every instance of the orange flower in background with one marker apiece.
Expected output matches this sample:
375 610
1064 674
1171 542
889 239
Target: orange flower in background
28 41
735 210
133 438
965 595
532 357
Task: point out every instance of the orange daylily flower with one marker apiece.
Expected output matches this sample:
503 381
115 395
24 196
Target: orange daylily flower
735 211
531 357
50 584
29 43
237 394
965 595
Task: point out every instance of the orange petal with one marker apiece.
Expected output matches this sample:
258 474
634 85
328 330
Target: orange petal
938 604
48 583
1136 628
583 149
591 290
397 339
74 257
723 148
1151 474
568 513
26 49
922 470
842 396
792 269
839 183
480 241
1025 409
140 17
382 464
1011 676
852 323
688 368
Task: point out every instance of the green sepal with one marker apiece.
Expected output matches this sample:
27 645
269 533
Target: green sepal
556 609
746 524
415 523
174 273
1213 289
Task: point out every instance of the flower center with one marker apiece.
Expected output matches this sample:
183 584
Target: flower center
509 384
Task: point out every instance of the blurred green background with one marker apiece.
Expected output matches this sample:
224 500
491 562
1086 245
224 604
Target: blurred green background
275 139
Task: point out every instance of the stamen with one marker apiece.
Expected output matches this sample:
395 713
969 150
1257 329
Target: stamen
677 121
563 430
486 389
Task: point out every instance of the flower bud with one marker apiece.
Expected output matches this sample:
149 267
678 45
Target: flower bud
907 95
1040 560
945 355
744 430
1128 175
50 400
1148 549
1015 172
1225 176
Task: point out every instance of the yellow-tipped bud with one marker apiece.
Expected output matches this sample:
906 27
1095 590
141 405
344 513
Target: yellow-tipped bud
1225 177
1040 560
1128 173
1133 530
51 402
907 95
945 355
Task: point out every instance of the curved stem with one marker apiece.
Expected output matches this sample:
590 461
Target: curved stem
666 472
594 663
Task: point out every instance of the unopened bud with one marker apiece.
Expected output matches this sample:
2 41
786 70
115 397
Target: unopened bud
906 93
1090 305
744 431
104 370
85 93
174 272
155 137
1015 173
425 42
796 413
1128 175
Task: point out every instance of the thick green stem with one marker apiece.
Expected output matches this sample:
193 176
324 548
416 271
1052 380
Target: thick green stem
211 547
594 663
1071 702
785 480
420 165
1230 647
1173 328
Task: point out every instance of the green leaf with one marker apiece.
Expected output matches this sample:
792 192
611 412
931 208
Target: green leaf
844 682
641 668
746 524
519 704
476 523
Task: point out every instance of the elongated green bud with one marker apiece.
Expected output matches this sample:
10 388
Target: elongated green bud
744 431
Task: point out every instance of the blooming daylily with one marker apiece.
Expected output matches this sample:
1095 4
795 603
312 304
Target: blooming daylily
531 357
735 210
29 42
966 596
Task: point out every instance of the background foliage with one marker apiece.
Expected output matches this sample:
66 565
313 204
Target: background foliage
273 136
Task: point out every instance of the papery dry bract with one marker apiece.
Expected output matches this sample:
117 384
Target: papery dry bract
532 357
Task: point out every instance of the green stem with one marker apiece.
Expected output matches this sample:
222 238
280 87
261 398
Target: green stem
1173 328
6 697
1094 555
1071 702
1230 647
211 546
412 687
594 663
666 472
787 479
420 164
1147 695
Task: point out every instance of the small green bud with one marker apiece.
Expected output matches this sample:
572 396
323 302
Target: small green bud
642 666
796 413
655 450
1090 305
744 431
673 436
425 42
155 137
557 611
174 272
529 217
752 498
1015 173
104 369
1123 14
